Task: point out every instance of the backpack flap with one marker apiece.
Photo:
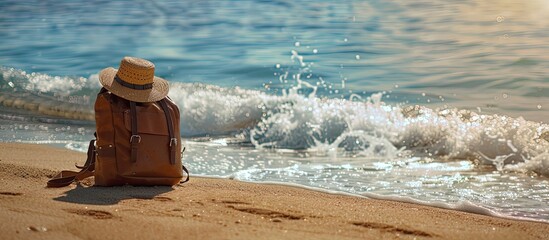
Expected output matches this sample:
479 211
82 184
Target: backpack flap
152 152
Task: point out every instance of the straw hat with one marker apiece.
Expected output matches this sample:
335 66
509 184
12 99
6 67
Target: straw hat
134 80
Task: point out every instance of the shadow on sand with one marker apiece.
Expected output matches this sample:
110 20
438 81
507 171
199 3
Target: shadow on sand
110 195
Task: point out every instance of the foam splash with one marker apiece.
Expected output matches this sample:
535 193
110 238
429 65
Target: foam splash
43 83
368 129
211 110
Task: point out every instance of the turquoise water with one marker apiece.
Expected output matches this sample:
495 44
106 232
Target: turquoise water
439 102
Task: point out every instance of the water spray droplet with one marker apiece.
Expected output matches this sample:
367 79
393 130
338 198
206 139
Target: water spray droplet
277 65
345 40
539 106
357 57
297 44
315 51
423 94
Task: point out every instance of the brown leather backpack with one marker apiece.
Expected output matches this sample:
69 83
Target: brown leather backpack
137 144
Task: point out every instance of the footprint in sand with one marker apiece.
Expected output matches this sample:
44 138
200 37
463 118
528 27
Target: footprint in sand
268 213
97 214
11 193
392 229
234 202
157 198
162 199
274 216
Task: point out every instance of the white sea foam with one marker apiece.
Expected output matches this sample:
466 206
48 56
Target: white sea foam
44 83
212 110
368 128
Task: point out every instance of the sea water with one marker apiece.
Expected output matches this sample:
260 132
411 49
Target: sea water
439 102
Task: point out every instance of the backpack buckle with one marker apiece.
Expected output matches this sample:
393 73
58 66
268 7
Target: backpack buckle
135 137
173 141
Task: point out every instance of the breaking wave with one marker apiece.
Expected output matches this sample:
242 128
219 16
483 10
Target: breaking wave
360 127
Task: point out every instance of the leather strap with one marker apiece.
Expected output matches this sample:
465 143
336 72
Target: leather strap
90 160
171 134
65 178
135 139
103 90
173 141
185 169
187 172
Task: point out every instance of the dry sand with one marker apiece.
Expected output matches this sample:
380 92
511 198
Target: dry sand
214 209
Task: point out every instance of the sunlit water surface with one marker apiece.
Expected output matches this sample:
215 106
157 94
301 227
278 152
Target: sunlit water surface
437 102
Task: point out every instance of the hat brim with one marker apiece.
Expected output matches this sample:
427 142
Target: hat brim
159 90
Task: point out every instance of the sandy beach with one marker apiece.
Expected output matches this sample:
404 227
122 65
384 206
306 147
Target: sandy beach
207 208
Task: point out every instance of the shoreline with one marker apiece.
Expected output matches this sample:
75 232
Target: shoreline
216 208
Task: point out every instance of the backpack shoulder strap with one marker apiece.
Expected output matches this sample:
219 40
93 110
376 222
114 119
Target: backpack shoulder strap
65 178
103 90
173 140
171 133
185 170
135 139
